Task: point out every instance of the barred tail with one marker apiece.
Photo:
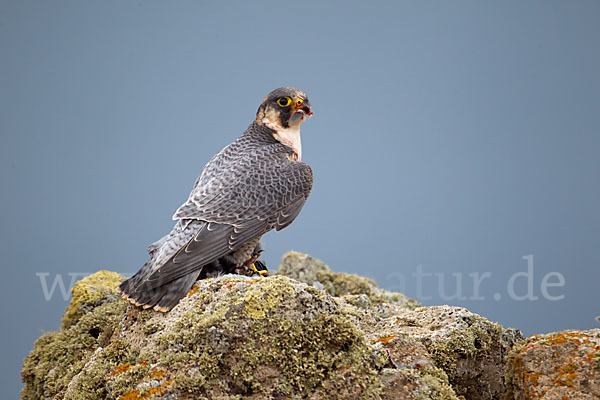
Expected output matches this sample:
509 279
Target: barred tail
138 291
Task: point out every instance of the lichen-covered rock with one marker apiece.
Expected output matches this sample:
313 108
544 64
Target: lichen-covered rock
231 337
89 293
269 338
452 344
415 383
458 347
302 267
354 288
556 366
334 336
58 359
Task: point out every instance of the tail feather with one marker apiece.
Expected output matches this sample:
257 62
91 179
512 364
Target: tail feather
174 291
128 286
162 298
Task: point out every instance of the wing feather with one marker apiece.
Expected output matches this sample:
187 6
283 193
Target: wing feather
241 196
204 248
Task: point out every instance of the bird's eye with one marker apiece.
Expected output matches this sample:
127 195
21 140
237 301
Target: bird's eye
284 101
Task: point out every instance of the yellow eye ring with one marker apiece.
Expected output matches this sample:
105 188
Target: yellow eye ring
284 101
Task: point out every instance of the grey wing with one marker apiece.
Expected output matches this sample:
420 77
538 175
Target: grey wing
248 189
240 206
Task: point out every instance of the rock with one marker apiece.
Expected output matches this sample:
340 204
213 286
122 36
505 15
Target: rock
302 267
230 337
353 288
468 349
89 293
556 366
59 359
305 333
419 384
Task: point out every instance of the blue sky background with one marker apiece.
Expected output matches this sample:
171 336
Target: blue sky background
448 137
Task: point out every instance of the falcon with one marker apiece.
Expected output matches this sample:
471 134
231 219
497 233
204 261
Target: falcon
255 184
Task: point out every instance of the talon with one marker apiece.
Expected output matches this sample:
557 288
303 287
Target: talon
253 268
251 260
262 271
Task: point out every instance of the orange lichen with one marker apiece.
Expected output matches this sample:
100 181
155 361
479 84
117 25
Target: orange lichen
148 394
566 375
157 374
119 369
131 395
193 290
230 284
385 339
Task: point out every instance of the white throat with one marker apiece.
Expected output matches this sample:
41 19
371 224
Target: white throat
288 136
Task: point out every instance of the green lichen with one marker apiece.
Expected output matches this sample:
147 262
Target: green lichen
58 356
427 383
351 287
434 385
101 378
307 269
305 355
464 351
90 292
340 284
234 338
258 301
85 359
153 327
468 343
189 384
301 267
145 315
241 351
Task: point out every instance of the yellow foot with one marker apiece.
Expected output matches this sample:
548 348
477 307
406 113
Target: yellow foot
262 272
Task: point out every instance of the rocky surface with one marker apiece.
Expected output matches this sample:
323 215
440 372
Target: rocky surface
556 366
304 333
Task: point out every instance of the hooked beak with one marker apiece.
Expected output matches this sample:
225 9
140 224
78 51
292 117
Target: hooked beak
301 112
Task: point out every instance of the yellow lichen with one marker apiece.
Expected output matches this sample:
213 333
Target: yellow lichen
258 301
88 291
246 344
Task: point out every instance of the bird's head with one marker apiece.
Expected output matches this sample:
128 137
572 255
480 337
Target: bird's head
285 107
282 111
